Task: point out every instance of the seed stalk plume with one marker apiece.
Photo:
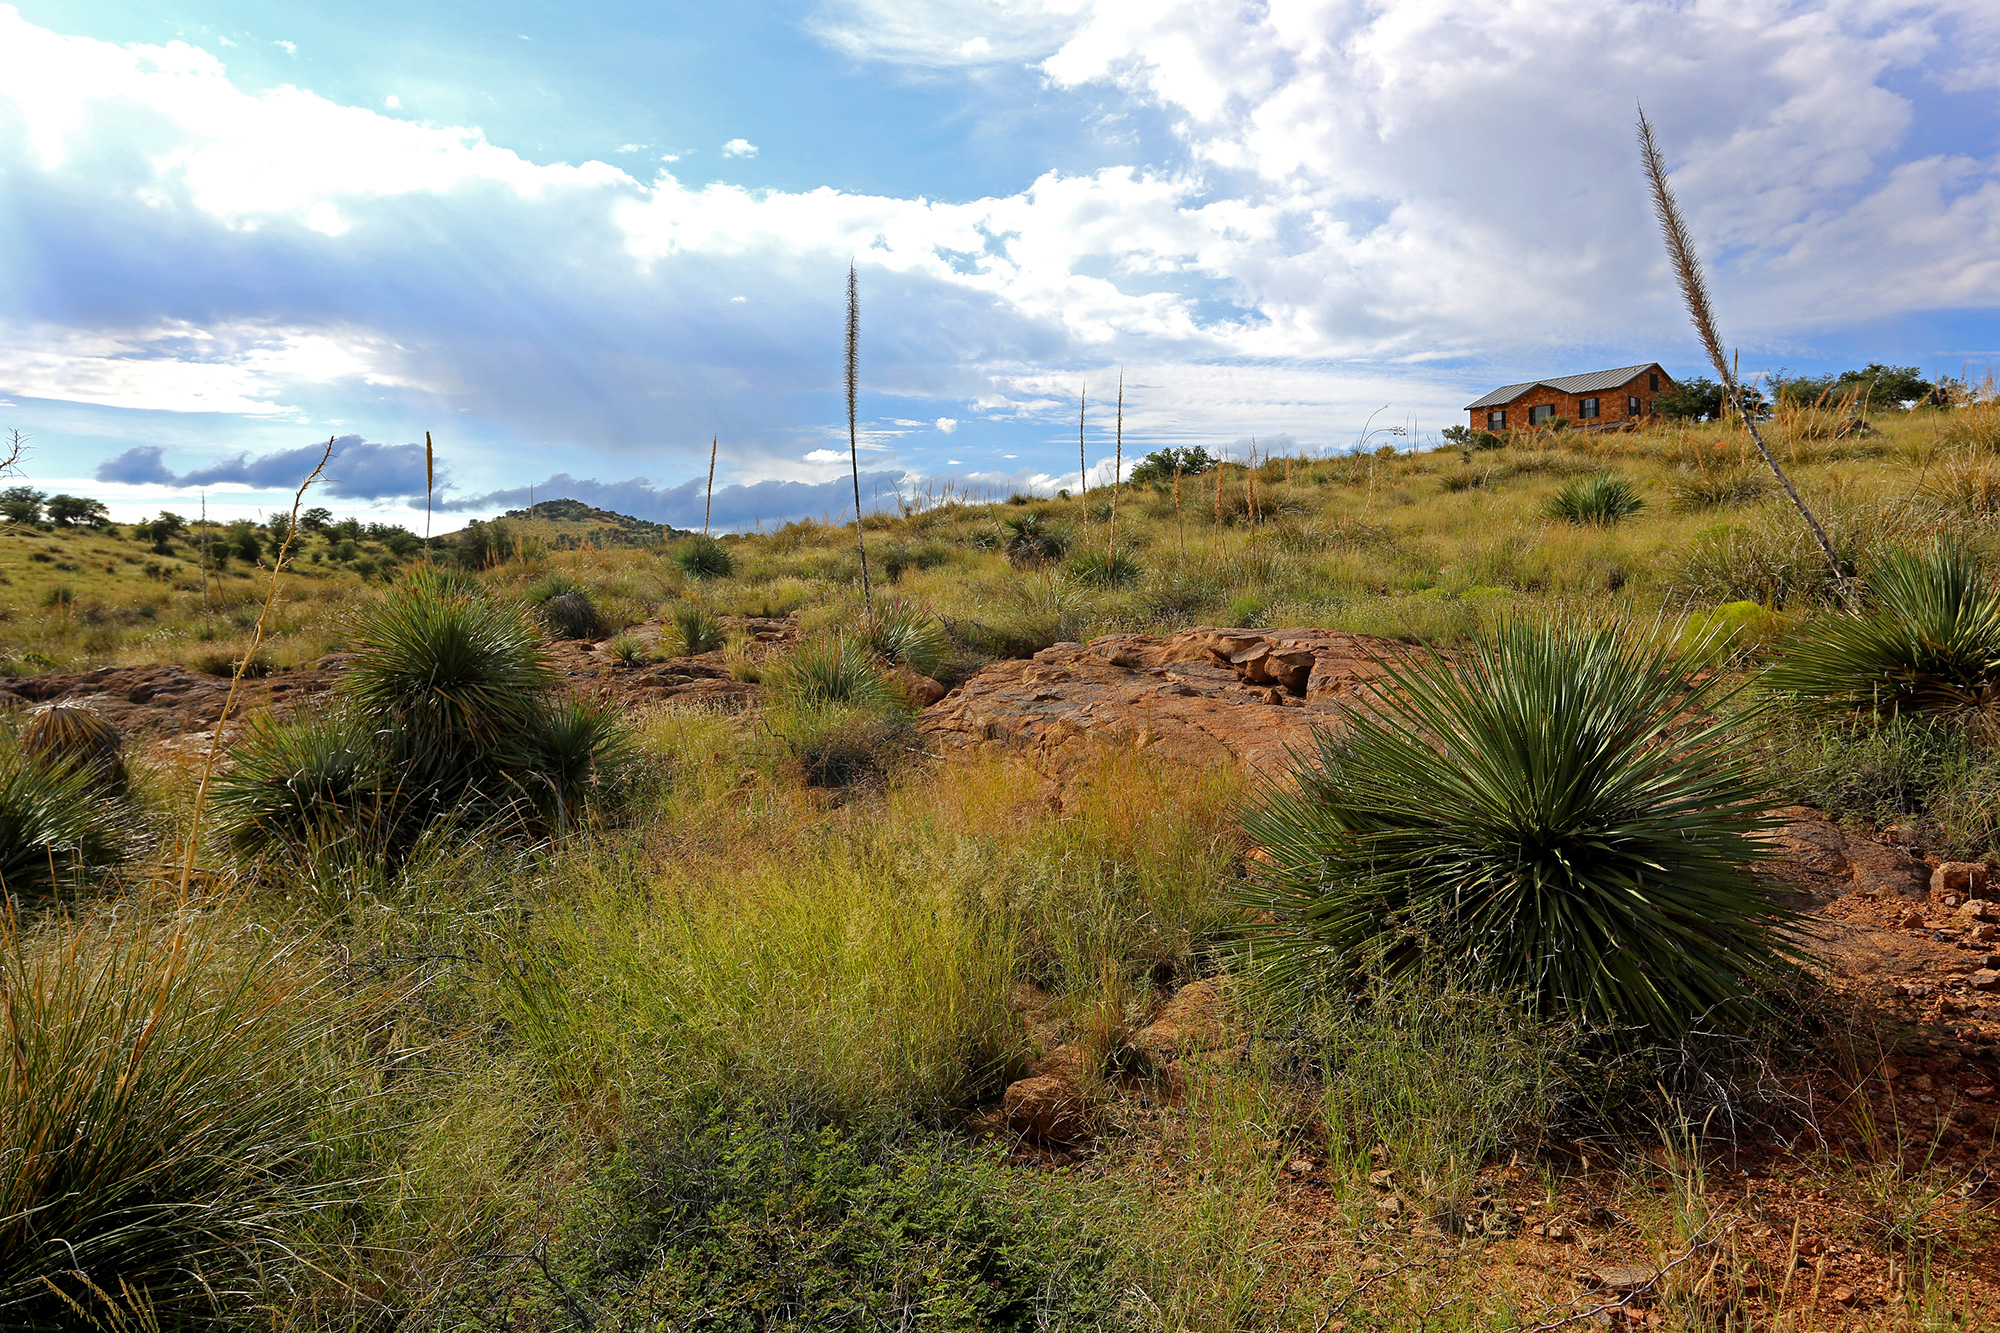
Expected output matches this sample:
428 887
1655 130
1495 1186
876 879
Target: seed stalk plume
853 434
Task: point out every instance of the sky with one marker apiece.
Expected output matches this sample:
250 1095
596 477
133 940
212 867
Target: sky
579 243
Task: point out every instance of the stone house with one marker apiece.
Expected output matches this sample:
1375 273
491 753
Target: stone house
1601 398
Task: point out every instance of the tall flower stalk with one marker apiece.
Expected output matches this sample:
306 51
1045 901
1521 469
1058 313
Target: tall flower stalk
853 434
1694 291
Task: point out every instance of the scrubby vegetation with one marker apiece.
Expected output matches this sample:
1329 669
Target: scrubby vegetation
470 1000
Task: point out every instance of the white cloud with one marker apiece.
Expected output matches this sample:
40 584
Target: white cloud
739 148
631 147
947 424
954 462
825 456
393 102
738 300
944 33
289 48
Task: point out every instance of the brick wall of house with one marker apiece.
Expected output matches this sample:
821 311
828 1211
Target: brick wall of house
1612 403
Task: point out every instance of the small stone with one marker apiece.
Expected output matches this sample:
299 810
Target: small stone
1986 979
1911 920
1984 933
1923 1083
1302 1166
1980 909
1622 1277
1980 1092
1967 878
1844 1295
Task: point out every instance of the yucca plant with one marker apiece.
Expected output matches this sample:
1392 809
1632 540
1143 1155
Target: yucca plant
905 634
165 1110
1926 640
1102 571
1560 812
833 669
701 557
692 631
308 780
579 750
552 584
73 735
453 670
1030 539
57 825
572 615
1600 501
626 650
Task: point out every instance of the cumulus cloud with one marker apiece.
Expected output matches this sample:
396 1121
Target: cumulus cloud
358 470
947 424
739 148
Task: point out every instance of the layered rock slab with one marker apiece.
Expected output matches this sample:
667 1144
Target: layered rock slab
1199 697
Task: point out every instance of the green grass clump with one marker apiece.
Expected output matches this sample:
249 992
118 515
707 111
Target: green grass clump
1031 540
692 631
1927 641
1600 501
704 558
1559 811
905 634
1101 571
57 824
163 1114
627 651
833 669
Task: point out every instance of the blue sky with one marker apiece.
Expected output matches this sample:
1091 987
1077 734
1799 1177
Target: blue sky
577 242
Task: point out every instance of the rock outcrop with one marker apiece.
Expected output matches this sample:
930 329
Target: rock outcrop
1825 862
1198 697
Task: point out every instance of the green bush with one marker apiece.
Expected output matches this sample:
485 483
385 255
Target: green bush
1696 491
763 1222
1095 570
904 634
572 615
1929 772
1603 501
1559 812
833 669
691 631
627 651
447 712
1030 540
704 558
56 823
840 745
1927 641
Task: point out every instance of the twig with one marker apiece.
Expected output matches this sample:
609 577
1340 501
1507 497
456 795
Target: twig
236 680
1694 291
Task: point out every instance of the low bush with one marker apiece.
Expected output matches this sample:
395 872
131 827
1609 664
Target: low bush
1558 812
447 712
1927 773
692 631
702 557
764 1221
841 745
1695 491
1030 540
1774 563
1095 570
572 615
1602 500
57 825
904 634
1926 641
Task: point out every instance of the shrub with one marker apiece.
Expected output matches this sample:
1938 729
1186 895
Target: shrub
71 735
904 634
692 631
571 615
1558 812
838 744
1928 641
756 1218
1774 563
704 558
446 712
1603 501
55 823
834 669
1030 540
166 1107
1723 631
741 656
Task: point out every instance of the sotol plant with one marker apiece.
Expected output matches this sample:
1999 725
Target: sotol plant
1559 812
56 823
904 634
1927 640
1600 501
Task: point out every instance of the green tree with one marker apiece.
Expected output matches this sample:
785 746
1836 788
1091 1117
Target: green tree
1160 465
68 511
21 504
316 519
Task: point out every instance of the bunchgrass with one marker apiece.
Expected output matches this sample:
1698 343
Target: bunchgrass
58 828
691 631
1563 812
1598 501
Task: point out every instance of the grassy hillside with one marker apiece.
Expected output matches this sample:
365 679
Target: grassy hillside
569 524
470 1006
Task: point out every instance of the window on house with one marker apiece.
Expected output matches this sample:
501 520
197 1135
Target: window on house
1586 407
1632 406
1497 420
1652 383
1537 415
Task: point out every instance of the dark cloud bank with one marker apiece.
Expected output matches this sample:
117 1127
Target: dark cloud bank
362 470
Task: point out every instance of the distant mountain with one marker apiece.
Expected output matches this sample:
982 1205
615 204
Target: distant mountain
570 523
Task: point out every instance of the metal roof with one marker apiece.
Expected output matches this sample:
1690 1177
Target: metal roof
1596 380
